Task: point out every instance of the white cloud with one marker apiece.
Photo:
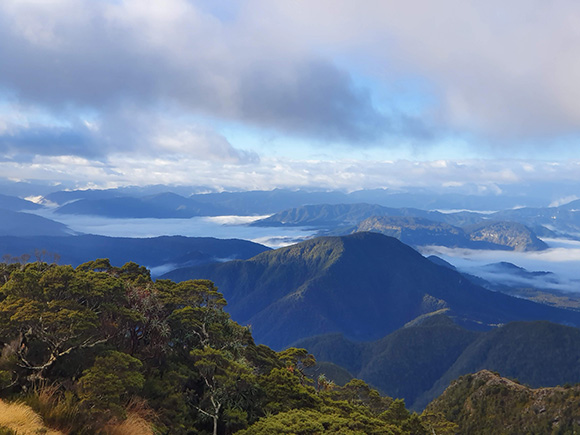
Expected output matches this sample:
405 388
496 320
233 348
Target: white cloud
562 258
501 69
564 200
143 168
148 88
221 227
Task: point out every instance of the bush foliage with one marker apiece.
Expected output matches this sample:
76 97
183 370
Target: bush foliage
83 346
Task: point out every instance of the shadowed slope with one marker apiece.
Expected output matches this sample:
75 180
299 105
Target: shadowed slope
365 286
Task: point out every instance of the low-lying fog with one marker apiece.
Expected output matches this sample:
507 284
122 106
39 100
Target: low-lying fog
562 258
221 227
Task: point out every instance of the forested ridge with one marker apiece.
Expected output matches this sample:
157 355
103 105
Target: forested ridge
96 347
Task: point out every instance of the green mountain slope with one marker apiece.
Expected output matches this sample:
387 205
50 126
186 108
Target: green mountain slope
536 353
418 362
485 403
364 286
407 362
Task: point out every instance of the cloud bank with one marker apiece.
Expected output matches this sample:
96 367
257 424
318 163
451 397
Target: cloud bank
115 84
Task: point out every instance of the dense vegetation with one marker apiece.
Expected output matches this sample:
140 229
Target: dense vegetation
92 347
419 361
485 403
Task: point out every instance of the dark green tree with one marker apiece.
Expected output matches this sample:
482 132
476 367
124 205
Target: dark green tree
49 311
106 386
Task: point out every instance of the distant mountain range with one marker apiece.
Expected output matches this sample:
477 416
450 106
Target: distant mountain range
163 205
364 285
158 253
484 235
327 211
27 224
412 226
110 203
14 203
154 201
270 201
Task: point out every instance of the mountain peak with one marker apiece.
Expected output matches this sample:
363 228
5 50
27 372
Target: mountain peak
363 285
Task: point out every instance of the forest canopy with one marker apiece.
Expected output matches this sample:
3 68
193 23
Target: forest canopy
96 347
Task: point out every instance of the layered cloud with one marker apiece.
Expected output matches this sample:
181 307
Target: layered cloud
116 82
101 55
507 70
554 181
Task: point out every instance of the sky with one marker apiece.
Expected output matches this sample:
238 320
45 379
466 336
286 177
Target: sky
259 94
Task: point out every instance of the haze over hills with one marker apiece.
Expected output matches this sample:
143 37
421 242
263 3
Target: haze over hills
485 235
27 224
15 203
364 286
326 210
163 205
158 253
563 220
333 215
412 226
271 201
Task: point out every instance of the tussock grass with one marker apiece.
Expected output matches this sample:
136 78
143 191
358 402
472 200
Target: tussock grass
138 421
58 410
21 419
132 425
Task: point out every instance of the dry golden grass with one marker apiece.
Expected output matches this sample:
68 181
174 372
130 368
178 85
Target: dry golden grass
132 425
23 420
138 421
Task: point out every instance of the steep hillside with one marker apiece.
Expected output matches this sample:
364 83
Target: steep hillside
409 361
485 403
536 353
364 286
405 363
511 234
418 362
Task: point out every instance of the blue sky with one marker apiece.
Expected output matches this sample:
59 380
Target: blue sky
260 94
